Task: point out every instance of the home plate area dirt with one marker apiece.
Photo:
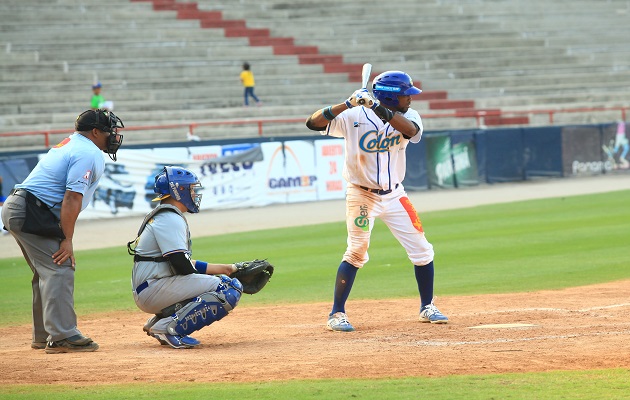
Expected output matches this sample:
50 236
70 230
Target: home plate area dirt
572 329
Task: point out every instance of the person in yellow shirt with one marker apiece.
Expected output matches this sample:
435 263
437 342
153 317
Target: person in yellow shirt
247 78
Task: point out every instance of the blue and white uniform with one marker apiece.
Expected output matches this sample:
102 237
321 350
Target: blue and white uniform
375 165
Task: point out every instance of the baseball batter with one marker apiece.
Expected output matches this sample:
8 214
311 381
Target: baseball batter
184 294
376 135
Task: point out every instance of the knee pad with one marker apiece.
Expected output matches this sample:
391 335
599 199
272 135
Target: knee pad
207 308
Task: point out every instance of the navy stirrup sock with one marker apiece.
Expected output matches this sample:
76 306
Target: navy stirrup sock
343 284
424 277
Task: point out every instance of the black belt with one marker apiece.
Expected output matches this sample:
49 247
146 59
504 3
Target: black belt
379 191
143 258
15 191
142 286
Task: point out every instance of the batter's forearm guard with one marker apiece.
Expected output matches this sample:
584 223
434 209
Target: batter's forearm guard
384 113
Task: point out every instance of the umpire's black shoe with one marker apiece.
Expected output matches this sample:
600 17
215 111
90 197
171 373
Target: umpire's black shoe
76 343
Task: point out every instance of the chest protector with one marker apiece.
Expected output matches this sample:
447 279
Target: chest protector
131 246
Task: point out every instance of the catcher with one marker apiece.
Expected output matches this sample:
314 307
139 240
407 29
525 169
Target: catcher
184 294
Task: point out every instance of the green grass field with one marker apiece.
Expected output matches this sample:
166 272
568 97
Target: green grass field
522 246
574 385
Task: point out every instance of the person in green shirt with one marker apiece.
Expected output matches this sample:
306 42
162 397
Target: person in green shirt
97 98
98 101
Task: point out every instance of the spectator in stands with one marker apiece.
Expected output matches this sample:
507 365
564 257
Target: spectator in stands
98 101
247 79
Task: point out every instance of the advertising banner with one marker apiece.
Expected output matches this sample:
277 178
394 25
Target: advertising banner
616 146
465 160
451 161
439 161
582 151
261 173
329 162
232 176
227 174
290 171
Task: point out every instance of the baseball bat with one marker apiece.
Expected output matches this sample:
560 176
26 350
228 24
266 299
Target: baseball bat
365 77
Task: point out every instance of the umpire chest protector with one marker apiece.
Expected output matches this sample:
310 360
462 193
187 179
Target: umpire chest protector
131 246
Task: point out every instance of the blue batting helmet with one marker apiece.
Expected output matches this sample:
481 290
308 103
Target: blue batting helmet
181 184
391 84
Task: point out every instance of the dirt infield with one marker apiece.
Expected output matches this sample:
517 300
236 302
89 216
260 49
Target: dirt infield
572 329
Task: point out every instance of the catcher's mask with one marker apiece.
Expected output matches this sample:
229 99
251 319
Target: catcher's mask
105 121
180 183
391 84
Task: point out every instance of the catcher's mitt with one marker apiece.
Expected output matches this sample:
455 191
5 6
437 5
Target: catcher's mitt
254 275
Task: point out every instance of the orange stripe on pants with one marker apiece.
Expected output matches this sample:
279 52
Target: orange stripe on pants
413 215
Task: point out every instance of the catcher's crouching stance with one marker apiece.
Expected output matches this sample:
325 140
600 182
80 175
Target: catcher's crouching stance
184 294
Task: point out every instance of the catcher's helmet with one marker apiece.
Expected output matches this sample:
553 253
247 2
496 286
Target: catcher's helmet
391 84
105 121
181 184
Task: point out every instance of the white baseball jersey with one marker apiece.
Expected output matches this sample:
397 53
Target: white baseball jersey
375 159
375 151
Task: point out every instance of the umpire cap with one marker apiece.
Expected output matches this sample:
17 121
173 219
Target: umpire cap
104 120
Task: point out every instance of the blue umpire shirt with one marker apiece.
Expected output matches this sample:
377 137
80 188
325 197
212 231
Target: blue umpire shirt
75 164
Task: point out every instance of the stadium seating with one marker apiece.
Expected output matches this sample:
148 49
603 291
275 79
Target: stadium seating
171 62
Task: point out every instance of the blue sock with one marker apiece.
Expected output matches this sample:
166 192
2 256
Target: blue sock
424 277
343 284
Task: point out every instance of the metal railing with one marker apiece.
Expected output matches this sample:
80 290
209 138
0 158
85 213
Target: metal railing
479 115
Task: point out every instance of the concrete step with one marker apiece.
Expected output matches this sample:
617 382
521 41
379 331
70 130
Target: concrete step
156 71
183 30
274 84
60 120
114 26
595 99
496 52
454 83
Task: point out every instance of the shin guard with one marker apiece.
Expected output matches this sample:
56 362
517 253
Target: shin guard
207 308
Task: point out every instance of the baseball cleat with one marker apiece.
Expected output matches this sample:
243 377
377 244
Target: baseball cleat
38 345
430 313
339 322
150 322
76 343
176 341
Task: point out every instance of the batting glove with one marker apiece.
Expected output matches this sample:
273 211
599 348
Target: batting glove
364 98
352 100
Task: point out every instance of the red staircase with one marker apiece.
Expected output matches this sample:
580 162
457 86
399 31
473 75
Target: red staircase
332 63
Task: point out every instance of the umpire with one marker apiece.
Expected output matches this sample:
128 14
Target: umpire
41 213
